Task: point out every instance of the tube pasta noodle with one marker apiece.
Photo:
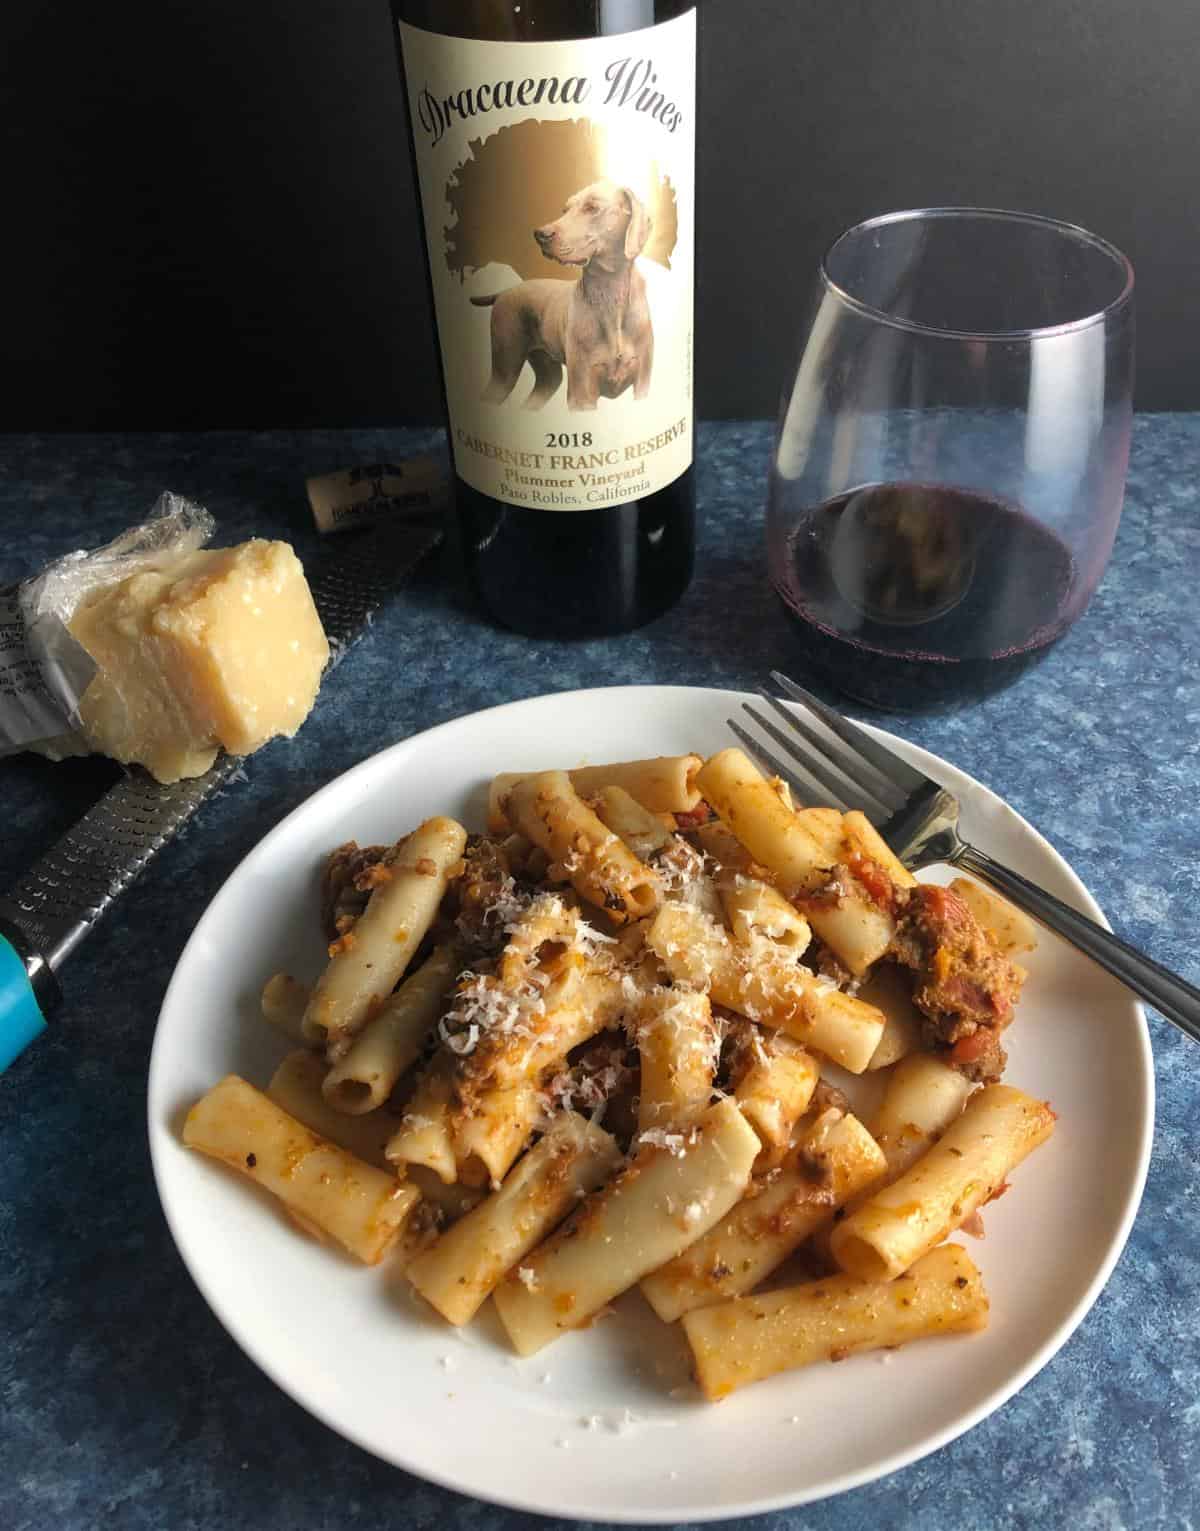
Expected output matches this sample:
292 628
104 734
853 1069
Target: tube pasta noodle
321 1185
459 1272
755 1337
864 839
964 1169
855 929
774 835
630 944
719 842
367 962
585 1007
755 911
889 989
392 1042
773 1085
601 868
781 995
678 1047
826 827
923 1097
426 1133
296 1087
670 1195
800 852
284 1001
901 1034
836 1158
488 1140
642 831
664 785
1011 928
535 1030
537 940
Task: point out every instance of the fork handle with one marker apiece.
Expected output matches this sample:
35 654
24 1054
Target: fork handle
1177 999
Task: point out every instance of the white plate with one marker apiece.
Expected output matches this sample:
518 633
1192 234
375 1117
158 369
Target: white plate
355 1348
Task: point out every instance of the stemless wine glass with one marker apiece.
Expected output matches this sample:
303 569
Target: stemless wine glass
950 461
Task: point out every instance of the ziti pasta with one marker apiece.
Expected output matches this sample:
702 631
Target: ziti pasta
584 1052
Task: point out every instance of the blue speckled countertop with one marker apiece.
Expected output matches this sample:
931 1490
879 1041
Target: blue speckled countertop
123 1403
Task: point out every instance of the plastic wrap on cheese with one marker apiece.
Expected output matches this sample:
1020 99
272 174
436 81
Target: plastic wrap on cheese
191 649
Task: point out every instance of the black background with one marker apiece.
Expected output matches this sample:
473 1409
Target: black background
209 216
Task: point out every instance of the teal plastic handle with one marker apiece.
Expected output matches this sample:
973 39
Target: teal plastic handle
21 1018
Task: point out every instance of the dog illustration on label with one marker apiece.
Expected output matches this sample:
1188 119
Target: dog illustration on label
598 329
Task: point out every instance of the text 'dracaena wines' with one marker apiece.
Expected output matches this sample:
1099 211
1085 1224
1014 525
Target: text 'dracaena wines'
554 149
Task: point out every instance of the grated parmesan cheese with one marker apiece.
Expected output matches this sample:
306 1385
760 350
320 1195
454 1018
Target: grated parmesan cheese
592 942
589 1085
631 990
658 1137
683 870
482 1006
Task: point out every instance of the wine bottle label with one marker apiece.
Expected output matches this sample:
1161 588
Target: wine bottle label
557 187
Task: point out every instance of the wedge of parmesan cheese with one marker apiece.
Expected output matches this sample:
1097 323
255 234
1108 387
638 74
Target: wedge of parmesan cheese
219 648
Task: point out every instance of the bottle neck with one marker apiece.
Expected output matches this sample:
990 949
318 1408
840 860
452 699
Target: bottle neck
537 20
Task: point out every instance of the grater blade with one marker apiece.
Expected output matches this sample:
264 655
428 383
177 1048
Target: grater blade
63 895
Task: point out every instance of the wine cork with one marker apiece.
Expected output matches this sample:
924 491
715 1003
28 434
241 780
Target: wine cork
377 491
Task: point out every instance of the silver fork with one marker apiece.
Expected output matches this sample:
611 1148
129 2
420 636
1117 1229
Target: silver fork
843 766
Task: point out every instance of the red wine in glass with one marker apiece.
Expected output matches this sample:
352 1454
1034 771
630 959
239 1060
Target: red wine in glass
923 595
950 460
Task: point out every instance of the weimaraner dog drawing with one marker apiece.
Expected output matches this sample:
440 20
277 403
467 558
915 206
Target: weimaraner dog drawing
598 328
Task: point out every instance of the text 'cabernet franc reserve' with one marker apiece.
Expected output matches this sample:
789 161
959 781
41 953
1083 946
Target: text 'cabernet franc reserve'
554 146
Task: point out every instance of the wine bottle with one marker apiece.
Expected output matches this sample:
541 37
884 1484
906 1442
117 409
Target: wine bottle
553 145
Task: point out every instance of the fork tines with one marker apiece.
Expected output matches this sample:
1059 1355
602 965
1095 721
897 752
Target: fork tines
829 760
